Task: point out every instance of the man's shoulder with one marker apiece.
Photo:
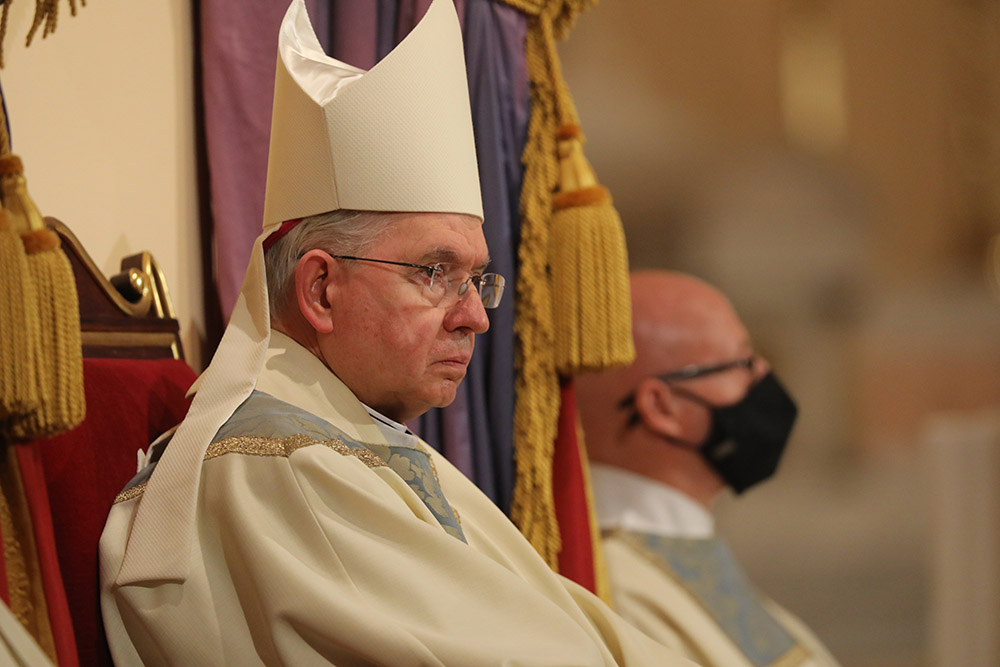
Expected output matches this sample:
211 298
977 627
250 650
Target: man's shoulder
261 426
265 416
266 426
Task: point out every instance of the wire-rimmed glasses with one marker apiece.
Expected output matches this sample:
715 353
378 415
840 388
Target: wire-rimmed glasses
445 287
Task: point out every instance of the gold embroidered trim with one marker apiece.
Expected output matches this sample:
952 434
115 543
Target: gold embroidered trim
257 446
130 493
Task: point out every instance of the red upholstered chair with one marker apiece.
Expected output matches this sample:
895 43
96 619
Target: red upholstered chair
135 380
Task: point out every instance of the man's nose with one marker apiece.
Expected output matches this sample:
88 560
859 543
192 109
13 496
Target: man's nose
468 313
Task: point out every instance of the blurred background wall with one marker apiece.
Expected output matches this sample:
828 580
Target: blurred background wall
833 166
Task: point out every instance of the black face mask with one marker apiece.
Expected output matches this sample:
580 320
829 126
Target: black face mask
748 437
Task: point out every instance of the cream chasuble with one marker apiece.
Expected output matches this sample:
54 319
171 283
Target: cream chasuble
317 542
673 579
17 646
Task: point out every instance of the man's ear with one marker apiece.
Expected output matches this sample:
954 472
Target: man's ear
657 407
313 287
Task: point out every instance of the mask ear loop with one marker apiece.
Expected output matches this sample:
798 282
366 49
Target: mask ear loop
628 403
634 418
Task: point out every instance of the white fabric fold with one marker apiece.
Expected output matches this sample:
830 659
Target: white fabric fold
627 501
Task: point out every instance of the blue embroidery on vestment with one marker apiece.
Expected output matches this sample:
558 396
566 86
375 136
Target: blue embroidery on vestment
414 467
264 416
710 573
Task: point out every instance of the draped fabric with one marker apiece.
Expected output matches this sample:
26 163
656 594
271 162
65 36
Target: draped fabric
36 495
32 584
576 557
238 49
351 30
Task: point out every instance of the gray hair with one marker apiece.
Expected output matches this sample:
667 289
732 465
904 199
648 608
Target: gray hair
341 232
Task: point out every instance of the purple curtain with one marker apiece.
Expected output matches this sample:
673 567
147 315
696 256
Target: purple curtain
238 49
351 26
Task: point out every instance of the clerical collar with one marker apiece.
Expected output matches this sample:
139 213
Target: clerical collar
627 501
393 432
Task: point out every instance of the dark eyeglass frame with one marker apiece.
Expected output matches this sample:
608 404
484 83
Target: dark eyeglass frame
433 270
697 371
689 373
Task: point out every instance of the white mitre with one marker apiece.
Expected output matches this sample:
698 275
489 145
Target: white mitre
395 138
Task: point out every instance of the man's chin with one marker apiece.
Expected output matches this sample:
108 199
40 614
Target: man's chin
441 392
447 391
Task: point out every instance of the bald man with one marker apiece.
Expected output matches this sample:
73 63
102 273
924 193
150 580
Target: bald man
697 412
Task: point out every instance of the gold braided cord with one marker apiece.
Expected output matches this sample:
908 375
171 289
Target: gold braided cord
536 412
572 312
3 33
560 14
46 17
47 14
537 385
4 132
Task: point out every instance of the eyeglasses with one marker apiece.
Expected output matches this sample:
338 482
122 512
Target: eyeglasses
697 371
444 287
687 373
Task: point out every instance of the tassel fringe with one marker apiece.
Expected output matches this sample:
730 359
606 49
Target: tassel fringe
54 347
592 312
60 364
46 17
19 332
536 411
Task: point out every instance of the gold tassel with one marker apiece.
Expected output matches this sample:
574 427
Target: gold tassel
536 411
19 332
592 305
58 359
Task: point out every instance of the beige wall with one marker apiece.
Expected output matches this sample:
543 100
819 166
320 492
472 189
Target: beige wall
102 114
